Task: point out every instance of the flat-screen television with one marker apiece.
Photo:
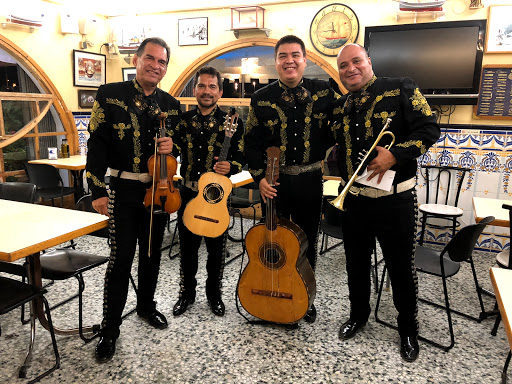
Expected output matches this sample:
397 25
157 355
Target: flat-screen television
444 58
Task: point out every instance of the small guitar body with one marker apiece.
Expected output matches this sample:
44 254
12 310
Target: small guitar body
207 214
278 283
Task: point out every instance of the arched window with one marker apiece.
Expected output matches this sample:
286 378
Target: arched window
33 115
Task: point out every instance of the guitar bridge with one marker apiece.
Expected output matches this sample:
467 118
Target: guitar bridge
279 295
206 219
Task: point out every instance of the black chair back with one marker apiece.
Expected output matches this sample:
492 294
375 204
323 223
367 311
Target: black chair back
49 185
15 191
44 176
443 184
462 244
85 204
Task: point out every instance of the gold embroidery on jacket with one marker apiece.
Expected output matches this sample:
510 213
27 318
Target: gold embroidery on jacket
122 127
419 103
97 116
95 180
416 143
137 148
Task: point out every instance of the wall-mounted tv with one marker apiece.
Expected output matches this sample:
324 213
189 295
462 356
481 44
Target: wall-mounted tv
444 58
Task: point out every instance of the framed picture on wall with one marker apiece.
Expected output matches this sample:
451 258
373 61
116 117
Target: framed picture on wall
129 73
86 98
193 31
89 69
499 29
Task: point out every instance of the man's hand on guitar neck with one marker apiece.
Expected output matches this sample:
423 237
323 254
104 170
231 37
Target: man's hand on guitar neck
266 190
222 167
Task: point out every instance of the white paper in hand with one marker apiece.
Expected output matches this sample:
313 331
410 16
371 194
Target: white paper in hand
385 184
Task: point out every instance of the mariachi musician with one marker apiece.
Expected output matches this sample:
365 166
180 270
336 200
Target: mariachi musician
198 140
124 121
376 213
293 114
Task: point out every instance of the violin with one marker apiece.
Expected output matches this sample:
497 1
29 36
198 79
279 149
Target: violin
161 197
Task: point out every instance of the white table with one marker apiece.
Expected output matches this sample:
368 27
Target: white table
484 207
28 229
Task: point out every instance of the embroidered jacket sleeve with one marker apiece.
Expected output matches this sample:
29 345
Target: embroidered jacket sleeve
123 124
420 130
198 140
297 121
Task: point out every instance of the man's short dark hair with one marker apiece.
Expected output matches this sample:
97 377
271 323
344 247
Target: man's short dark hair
209 71
290 39
157 41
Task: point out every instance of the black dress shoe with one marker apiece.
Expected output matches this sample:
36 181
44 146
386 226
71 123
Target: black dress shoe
349 329
310 316
217 306
105 349
155 319
409 348
181 306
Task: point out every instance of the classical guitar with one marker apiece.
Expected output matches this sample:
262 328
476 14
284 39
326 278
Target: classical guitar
207 214
278 284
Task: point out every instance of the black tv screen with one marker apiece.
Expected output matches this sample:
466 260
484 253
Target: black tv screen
445 59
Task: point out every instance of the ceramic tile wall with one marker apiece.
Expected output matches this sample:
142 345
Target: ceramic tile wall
487 152
82 122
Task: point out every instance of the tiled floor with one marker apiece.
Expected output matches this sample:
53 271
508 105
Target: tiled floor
199 347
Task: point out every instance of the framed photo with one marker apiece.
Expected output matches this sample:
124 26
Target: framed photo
86 98
499 29
88 69
129 73
193 31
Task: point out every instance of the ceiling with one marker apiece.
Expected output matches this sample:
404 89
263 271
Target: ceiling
113 8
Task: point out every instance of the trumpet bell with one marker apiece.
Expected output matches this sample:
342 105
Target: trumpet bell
338 202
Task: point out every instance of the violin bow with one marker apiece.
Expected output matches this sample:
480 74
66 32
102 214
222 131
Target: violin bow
162 118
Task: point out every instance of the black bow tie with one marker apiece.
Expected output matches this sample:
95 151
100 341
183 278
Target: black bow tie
359 100
299 95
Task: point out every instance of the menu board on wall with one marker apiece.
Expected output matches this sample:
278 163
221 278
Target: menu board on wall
495 98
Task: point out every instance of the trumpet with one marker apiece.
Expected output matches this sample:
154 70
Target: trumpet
338 201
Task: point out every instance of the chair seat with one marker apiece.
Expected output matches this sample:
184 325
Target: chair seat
503 259
62 264
441 209
331 230
13 293
427 260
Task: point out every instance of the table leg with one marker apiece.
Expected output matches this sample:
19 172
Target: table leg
78 182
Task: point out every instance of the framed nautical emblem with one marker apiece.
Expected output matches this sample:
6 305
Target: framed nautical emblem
332 27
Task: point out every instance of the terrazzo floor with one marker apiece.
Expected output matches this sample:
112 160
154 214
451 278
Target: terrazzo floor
199 347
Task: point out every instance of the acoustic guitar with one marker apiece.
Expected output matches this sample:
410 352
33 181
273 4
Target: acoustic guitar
207 214
278 283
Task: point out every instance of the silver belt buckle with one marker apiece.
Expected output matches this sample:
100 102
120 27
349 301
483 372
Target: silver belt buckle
145 178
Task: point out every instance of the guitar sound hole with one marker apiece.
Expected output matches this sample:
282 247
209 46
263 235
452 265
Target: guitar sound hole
213 193
272 255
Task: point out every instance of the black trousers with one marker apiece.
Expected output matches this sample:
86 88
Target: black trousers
189 247
392 221
299 199
129 223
